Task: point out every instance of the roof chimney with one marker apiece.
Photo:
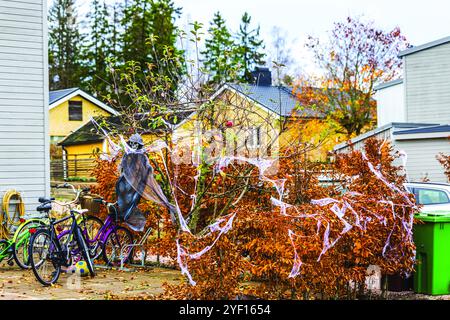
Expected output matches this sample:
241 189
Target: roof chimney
262 77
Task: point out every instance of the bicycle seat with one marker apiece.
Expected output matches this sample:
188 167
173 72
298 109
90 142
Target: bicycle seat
80 211
45 200
45 207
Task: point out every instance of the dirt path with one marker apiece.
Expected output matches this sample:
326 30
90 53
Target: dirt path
19 284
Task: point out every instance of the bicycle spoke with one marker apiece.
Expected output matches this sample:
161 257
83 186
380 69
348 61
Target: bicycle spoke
42 250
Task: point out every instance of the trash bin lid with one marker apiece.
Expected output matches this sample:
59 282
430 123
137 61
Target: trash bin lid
434 216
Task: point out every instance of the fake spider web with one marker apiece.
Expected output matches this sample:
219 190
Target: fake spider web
139 173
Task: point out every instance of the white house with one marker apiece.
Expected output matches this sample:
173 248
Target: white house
414 112
24 139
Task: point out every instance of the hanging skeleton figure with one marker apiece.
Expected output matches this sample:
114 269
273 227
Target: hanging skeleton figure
137 180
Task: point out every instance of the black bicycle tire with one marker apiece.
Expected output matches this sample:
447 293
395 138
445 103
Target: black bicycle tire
33 267
84 251
16 258
105 258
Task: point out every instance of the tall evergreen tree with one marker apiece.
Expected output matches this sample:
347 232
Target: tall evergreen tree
249 48
99 48
149 39
164 54
65 46
219 56
116 32
136 24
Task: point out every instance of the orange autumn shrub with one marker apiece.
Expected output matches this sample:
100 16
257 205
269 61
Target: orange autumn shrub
445 162
260 248
256 257
106 173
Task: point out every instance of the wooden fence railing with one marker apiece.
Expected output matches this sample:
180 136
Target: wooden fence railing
79 165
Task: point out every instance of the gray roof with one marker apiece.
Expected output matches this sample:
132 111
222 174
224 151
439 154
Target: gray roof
271 96
90 133
388 84
393 125
424 46
59 94
430 129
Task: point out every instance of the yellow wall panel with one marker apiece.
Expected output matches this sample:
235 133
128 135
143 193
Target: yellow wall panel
61 126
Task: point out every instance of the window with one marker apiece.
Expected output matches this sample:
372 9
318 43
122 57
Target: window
431 196
75 111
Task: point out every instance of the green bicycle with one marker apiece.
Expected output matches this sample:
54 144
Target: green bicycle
17 247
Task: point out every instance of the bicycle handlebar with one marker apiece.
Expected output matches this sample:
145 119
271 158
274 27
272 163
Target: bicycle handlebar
102 201
77 193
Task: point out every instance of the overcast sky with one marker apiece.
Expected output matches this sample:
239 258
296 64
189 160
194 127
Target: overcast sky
420 20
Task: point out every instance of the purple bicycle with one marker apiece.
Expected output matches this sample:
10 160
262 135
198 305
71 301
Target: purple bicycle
108 239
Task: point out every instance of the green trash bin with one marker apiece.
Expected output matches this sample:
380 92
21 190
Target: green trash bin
432 240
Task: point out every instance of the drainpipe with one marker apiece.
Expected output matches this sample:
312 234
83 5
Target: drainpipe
64 163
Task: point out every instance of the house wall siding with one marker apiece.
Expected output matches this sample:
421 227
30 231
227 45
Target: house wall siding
24 156
422 160
390 105
421 156
427 85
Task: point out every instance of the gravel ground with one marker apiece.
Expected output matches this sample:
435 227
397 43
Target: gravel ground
134 283
21 284
410 295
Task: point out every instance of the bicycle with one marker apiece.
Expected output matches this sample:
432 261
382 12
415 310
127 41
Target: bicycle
111 239
16 247
89 224
50 251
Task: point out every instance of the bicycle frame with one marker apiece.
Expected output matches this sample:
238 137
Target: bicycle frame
79 220
108 226
63 260
6 253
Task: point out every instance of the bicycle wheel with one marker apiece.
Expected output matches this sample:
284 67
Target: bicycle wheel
91 227
117 246
4 250
84 250
20 249
42 252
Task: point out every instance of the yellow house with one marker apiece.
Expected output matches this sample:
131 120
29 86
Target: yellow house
261 118
69 109
254 114
81 147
